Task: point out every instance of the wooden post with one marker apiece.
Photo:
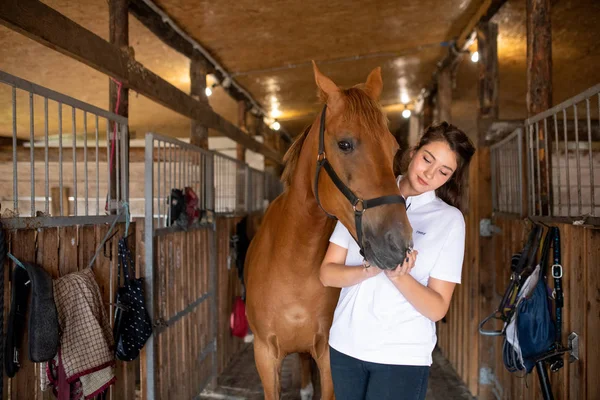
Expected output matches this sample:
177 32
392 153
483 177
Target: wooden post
198 72
427 110
539 86
481 367
270 140
444 95
241 150
118 19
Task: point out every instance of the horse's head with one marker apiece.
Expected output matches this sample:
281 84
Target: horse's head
360 149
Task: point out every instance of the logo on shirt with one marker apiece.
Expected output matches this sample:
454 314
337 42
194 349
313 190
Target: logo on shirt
420 233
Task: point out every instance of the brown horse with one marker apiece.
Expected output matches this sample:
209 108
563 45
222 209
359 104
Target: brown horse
288 308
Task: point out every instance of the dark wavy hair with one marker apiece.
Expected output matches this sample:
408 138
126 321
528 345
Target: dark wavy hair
452 191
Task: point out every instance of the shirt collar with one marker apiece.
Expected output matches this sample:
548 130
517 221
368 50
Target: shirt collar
414 202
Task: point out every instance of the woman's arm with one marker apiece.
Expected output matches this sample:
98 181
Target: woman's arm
335 273
432 300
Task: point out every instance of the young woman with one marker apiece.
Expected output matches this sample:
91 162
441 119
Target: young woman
383 330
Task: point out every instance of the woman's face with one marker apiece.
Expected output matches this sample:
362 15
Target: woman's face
431 166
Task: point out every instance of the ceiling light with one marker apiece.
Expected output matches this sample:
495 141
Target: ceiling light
406 113
475 56
275 126
404 98
275 113
208 91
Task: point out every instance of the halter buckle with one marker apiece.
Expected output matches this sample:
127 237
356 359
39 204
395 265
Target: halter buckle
361 209
321 157
557 271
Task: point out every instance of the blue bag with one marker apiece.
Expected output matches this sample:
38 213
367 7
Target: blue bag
535 326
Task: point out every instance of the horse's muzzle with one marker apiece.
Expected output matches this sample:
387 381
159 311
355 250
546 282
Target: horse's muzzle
388 250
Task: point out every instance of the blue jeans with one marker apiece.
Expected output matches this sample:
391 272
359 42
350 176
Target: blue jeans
354 379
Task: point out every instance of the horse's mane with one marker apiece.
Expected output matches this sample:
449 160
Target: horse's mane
291 157
359 107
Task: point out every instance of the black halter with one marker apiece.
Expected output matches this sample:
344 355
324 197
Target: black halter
359 205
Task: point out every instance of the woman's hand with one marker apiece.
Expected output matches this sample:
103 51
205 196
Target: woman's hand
404 268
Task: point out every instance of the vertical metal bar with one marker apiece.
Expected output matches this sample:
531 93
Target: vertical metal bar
589 128
60 159
548 172
158 187
116 162
170 186
165 198
97 169
558 178
520 175
179 150
74 161
14 133
46 166
85 163
568 177
577 160
32 153
537 164
108 166
149 270
531 169
125 163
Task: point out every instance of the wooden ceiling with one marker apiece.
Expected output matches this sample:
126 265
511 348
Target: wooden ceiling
268 46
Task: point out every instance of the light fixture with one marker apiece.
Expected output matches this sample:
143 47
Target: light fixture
208 91
404 98
475 56
275 126
406 113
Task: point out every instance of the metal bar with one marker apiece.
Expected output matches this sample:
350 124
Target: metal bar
537 162
170 186
565 104
558 166
165 198
125 162
46 165
85 163
74 162
520 175
116 161
577 160
531 169
548 171
158 187
589 128
568 177
31 153
190 307
14 136
58 97
97 170
149 257
108 194
60 159
49 222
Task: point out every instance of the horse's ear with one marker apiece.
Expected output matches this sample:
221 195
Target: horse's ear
374 84
327 89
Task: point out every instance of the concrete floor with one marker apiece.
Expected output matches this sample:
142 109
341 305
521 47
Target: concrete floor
240 380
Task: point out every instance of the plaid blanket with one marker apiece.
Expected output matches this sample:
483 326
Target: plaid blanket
84 364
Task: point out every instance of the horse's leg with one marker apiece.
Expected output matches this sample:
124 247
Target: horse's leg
268 363
306 388
321 356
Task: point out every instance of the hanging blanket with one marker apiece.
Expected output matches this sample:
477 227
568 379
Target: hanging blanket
84 364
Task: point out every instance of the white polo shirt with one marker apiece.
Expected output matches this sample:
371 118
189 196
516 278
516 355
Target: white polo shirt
373 321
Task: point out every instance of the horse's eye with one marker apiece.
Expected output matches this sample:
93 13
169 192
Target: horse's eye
345 146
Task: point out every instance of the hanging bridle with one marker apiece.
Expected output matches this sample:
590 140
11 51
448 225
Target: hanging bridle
358 205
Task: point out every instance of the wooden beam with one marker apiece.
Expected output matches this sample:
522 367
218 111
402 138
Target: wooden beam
444 96
241 150
39 22
118 95
539 88
487 37
198 71
428 110
487 46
